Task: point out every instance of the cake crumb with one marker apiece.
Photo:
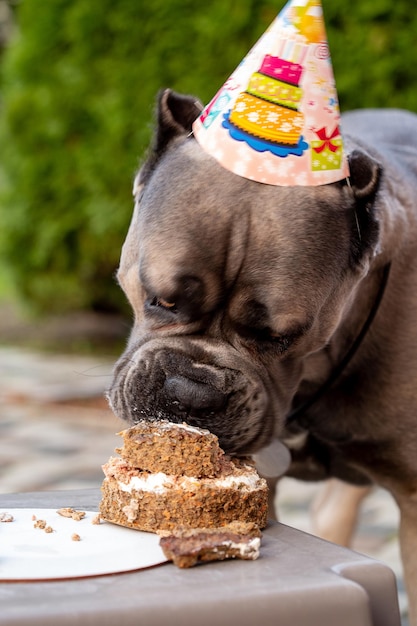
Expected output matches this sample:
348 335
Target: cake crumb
6 517
71 513
75 537
49 529
65 511
40 523
96 519
78 515
33 518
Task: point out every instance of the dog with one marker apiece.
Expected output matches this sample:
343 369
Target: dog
290 313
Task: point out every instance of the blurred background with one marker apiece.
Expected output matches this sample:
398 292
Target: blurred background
78 82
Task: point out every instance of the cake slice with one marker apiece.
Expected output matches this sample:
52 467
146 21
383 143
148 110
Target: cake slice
208 490
187 547
172 448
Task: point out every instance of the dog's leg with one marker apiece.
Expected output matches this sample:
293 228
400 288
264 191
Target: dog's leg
335 510
408 545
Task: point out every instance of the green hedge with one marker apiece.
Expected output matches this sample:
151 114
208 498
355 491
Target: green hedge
78 86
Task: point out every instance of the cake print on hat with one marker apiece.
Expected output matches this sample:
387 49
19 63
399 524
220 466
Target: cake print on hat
276 120
268 109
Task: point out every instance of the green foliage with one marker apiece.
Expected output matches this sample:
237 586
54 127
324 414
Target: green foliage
372 43
79 82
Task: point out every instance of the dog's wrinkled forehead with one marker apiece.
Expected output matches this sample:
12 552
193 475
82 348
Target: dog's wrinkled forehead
186 222
195 222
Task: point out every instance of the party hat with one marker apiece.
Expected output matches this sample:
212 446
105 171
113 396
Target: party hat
276 120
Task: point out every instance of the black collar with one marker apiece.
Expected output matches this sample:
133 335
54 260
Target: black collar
299 410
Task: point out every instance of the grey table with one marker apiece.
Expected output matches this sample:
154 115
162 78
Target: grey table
299 580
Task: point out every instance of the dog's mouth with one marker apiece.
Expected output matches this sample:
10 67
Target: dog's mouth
162 382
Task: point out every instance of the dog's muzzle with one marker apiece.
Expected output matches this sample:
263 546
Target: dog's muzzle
186 381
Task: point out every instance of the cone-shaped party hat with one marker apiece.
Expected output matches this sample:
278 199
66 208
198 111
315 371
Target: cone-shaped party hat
276 119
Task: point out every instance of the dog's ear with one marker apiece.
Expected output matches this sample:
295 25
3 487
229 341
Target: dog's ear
364 174
176 114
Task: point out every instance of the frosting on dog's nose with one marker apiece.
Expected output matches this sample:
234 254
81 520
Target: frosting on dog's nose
273 460
192 394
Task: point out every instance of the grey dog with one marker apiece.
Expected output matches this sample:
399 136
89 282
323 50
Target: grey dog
268 312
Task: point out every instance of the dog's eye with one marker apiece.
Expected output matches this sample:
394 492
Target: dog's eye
164 304
283 342
265 339
269 340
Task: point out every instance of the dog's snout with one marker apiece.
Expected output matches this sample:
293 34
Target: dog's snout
193 394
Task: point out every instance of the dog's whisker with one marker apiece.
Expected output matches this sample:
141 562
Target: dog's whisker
357 226
87 373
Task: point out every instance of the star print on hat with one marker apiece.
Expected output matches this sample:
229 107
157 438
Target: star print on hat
276 120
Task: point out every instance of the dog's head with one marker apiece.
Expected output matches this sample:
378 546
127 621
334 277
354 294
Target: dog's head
233 285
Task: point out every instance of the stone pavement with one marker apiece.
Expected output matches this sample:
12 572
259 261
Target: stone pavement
55 428
56 431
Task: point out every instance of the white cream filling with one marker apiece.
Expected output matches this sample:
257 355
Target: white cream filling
251 548
160 482
171 425
151 482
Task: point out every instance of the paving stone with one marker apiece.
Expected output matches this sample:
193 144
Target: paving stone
28 375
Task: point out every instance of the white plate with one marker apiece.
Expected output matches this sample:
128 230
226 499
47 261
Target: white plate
28 553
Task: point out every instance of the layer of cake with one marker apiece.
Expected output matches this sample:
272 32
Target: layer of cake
266 120
237 540
153 502
162 446
274 90
284 70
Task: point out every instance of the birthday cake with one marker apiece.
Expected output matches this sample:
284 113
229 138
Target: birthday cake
268 109
174 475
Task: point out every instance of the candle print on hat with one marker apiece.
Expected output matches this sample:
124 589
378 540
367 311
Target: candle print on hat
276 120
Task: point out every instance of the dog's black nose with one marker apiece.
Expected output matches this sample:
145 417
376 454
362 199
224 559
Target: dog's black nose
192 394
